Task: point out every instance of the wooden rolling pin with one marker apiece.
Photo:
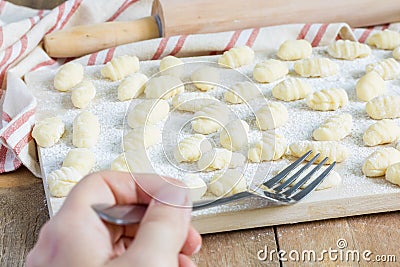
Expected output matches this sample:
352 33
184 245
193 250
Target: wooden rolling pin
174 17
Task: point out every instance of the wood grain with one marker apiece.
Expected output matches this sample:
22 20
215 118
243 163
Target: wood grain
38 4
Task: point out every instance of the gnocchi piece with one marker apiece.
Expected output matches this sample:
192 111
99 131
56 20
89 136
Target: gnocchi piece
149 111
132 86
316 67
145 136
375 165
48 132
211 118
381 132
61 181
386 39
272 147
294 50
81 159
68 76
82 94
205 78
164 87
120 67
370 86
227 183
396 53
134 161
242 92
192 101
220 158
192 148
197 187
384 107
237 57
331 149
327 99
393 174
291 89
270 70
271 116
86 130
234 135
171 66
346 49
388 69
334 128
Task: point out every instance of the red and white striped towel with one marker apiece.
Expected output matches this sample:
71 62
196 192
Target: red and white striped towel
22 29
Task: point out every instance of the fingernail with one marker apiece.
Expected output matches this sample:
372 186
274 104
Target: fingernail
197 249
173 195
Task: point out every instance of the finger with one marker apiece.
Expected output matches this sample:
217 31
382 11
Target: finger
193 242
185 261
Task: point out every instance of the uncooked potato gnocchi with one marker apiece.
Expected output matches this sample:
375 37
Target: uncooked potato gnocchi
139 137
134 161
375 165
47 132
227 183
393 174
197 187
272 147
220 158
149 111
191 148
237 57
381 132
192 101
86 130
327 99
242 92
234 135
61 181
396 53
272 115
68 76
164 87
120 67
294 50
205 78
331 149
386 39
346 49
171 66
384 107
211 118
388 69
270 70
316 67
132 86
82 94
81 159
291 89
334 128
369 86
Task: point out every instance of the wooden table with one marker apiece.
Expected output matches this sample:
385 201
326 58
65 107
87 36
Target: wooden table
23 211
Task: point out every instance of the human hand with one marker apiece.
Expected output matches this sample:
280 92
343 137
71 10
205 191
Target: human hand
76 236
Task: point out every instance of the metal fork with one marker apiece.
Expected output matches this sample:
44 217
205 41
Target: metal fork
276 193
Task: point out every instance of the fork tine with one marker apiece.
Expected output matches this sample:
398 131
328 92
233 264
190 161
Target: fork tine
277 178
314 184
297 174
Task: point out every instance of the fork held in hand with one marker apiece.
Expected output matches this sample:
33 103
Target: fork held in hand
277 193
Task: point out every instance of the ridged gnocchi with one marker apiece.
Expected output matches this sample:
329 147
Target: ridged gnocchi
388 68
220 158
81 159
82 94
227 183
294 50
393 174
86 130
234 135
191 148
396 53
316 67
48 132
331 149
237 57
61 181
197 187
172 66
270 70
192 101
384 107
164 87
120 67
68 76
291 89
132 86
205 78
375 165
272 147
271 116
346 49
386 39
139 137
242 92
134 161
211 118
334 128
149 111
327 99
370 86
381 132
